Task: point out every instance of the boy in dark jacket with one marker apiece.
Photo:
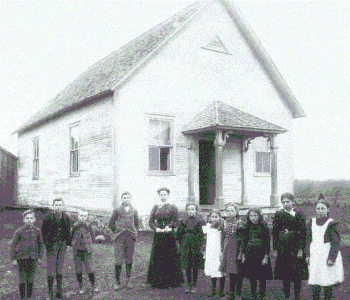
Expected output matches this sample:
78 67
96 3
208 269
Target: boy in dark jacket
125 225
82 241
27 249
56 233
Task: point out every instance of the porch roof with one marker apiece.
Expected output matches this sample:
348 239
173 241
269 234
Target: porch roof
218 115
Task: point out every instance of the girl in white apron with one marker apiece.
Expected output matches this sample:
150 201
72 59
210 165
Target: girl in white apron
325 260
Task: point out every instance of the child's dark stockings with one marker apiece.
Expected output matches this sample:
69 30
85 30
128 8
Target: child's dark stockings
118 269
235 280
192 276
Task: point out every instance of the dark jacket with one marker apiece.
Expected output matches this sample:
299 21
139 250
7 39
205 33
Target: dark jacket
27 243
331 236
122 221
295 239
82 237
56 231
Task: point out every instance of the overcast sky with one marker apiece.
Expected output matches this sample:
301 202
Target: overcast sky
46 45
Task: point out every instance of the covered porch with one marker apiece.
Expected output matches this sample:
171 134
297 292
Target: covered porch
208 133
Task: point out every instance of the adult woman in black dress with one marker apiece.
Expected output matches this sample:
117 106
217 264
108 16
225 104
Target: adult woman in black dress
164 268
289 241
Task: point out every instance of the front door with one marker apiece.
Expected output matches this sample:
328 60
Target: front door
206 172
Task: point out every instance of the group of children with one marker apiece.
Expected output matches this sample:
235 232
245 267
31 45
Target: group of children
233 247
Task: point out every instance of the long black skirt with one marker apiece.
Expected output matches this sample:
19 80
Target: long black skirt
253 268
164 267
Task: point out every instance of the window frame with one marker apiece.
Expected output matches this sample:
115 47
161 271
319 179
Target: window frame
73 173
160 118
259 149
36 159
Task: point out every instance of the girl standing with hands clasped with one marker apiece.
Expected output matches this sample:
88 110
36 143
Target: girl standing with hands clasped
256 248
213 251
289 240
323 252
232 254
190 236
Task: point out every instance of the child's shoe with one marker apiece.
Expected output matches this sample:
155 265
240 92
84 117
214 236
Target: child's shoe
193 290
117 286
81 291
188 289
129 285
95 289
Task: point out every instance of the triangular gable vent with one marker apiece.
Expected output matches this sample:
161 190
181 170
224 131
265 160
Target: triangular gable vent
216 45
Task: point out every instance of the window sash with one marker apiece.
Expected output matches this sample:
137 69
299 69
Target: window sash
74 161
36 158
159 159
262 162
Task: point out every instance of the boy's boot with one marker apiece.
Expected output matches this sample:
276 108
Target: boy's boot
128 268
80 282
50 286
59 286
92 280
22 290
118 269
29 290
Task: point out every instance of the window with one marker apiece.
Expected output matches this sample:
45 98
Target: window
36 158
262 157
74 149
160 145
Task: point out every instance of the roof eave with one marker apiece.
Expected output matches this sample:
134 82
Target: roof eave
65 110
234 128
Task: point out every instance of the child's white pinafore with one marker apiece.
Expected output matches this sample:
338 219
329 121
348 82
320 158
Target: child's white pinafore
319 272
213 252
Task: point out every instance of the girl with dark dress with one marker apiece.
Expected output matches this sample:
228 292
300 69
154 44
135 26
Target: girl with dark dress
256 264
323 252
191 237
232 254
164 268
289 239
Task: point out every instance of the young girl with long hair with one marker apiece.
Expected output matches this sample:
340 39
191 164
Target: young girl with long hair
232 254
255 248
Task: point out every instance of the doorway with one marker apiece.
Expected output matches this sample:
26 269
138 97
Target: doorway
206 172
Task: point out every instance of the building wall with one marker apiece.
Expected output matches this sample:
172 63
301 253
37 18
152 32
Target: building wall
179 82
8 183
93 187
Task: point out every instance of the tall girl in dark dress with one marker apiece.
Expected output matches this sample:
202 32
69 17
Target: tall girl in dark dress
191 237
164 268
289 239
256 248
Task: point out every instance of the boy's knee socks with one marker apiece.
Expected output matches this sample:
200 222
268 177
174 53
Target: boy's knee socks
194 277
80 279
59 284
118 269
128 268
92 278
50 283
222 285
22 290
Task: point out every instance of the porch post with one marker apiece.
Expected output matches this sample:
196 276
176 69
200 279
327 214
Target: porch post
220 141
244 148
191 197
274 196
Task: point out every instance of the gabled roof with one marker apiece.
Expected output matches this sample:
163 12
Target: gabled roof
219 115
102 78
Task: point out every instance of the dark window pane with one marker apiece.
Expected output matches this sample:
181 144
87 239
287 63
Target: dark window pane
153 158
74 161
266 162
164 159
262 161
